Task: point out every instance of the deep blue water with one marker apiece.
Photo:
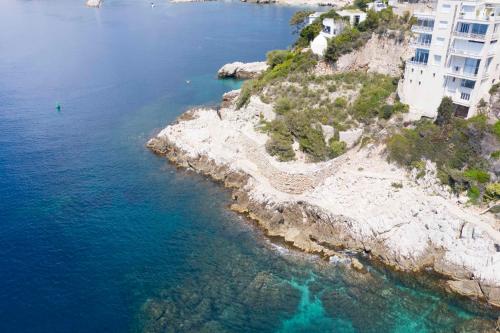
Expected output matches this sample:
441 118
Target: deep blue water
99 235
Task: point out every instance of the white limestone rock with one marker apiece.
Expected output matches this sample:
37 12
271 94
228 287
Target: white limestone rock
94 3
240 70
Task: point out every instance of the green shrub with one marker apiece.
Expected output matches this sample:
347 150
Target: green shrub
445 111
337 148
371 22
277 57
308 34
386 111
340 102
495 155
477 175
282 105
496 129
350 39
311 139
372 98
300 18
280 141
397 185
474 193
494 88
493 191
399 107
332 88
245 94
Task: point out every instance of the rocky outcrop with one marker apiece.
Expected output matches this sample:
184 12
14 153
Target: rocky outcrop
495 104
94 3
349 202
240 70
381 54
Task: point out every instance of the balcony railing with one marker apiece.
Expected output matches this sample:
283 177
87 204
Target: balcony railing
453 71
460 96
416 63
420 43
469 35
467 53
473 17
421 28
425 15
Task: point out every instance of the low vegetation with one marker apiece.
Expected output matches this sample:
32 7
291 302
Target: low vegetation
307 104
457 146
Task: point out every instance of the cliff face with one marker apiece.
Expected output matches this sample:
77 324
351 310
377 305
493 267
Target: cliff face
382 54
349 202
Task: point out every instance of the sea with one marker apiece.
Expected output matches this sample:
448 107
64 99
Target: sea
97 234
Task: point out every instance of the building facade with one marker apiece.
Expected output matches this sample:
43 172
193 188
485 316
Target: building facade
456 55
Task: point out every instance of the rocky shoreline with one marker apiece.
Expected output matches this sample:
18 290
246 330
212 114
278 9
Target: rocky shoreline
346 203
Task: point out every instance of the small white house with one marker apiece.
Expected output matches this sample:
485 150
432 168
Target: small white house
333 27
355 16
313 17
376 6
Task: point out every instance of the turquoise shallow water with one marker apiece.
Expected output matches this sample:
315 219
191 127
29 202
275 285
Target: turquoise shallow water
100 235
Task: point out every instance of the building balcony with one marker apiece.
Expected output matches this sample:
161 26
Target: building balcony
415 63
461 96
425 15
460 73
466 53
469 35
420 43
473 17
422 28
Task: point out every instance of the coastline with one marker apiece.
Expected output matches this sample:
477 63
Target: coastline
320 208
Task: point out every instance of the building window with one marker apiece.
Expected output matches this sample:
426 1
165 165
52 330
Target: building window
421 56
443 24
437 59
465 96
488 63
440 41
471 66
468 84
445 8
479 29
463 27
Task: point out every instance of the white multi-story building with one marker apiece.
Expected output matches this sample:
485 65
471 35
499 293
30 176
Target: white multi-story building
456 55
